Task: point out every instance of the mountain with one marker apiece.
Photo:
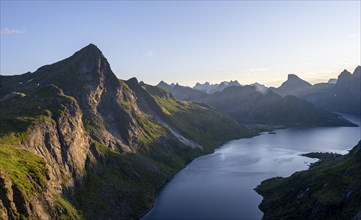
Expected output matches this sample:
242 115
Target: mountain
332 81
292 86
330 189
183 92
249 106
260 88
341 95
76 142
212 88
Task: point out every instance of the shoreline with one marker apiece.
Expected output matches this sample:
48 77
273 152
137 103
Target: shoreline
158 189
265 129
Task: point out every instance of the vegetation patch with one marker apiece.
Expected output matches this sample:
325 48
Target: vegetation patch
26 170
331 189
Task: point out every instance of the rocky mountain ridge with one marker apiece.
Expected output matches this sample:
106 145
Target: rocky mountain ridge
76 142
337 95
253 104
341 95
212 88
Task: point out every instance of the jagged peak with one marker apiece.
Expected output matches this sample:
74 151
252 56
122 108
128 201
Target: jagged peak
345 71
162 83
344 74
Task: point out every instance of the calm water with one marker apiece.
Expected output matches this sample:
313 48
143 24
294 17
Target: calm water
220 185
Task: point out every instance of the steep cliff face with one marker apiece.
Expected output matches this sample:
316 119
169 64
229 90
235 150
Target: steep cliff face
62 141
43 151
77 142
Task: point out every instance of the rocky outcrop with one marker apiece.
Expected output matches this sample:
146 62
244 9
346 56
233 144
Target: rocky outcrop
62 141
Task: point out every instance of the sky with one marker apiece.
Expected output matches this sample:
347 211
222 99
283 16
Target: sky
187 41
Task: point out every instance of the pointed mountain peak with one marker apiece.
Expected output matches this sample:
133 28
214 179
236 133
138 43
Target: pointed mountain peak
345 71
87 66
357 71
344 75
91 48
91 51
162 83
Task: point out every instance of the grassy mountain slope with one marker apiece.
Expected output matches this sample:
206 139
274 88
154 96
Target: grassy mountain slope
330 189
92 146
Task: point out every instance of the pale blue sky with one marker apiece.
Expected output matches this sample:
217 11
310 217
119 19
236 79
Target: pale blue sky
187 41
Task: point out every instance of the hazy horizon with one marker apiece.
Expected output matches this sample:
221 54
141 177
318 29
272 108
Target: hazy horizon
188 42
322 79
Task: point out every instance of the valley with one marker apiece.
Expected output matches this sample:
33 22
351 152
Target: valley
76 142
180 110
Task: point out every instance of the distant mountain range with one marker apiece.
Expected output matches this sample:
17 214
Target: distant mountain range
255 104
341 95
337 95
212 88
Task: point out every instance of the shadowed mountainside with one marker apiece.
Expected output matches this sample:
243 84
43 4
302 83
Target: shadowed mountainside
76 142
252 104
341 95
330 189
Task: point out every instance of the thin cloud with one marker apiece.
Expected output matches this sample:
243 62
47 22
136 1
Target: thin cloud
10 31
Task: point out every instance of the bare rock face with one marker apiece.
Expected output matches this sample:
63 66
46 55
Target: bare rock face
61 140
63 143
13 203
